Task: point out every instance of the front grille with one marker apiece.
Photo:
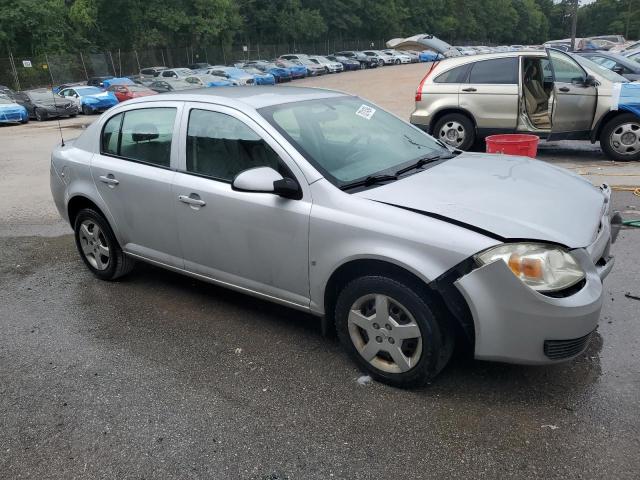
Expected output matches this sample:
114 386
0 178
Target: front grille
559 349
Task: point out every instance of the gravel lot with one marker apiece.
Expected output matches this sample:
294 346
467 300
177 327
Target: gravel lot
162 376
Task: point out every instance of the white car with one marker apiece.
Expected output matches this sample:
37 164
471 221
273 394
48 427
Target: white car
398 56
331 66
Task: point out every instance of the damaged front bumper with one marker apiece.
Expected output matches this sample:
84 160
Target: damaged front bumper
513 323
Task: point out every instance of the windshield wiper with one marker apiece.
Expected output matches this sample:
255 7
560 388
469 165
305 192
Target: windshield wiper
370 180
422 162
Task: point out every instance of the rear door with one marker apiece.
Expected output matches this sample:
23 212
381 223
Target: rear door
133 173
491 94
575 100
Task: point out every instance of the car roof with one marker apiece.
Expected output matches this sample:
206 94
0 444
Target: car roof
454 61
248 96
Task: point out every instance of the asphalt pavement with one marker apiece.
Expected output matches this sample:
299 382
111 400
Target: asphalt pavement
159 376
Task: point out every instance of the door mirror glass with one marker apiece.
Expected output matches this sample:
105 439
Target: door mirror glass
259 179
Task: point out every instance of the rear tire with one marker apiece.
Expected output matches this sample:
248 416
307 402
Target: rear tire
86 110
620 138
41 115
455 129
98 246
404 346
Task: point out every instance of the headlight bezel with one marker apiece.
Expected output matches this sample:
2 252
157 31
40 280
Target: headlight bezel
524 258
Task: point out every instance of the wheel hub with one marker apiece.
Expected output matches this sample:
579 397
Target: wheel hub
385 333
94 245
452 133
625 139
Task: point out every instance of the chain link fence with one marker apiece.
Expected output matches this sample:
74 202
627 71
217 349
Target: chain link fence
25 72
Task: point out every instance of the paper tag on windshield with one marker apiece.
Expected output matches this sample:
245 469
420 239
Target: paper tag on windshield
365 112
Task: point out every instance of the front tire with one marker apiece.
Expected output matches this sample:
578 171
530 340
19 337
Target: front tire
620 138
99 247
391 333
456 130
86 110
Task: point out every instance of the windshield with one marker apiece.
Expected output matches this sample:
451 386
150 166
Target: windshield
348 139
42 96
599 69
4 100
88 90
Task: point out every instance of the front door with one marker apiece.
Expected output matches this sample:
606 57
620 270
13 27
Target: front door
133 174
575 99
252 241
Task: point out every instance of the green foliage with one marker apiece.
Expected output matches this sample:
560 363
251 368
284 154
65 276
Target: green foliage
32 27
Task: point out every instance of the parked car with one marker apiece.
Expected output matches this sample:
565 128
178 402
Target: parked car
12 112
233 74
347 63
625 47
429 56
461 100
89 99
6 91
316 200
150 73
205 81
43 104
98 81
364 60
466 51
128 92
313 69
481 49
331 66
296 70
260 77
617 63
397 57
617 39
199 67
633 55
175 73
280 74
381 58
57 88
293 56
171 85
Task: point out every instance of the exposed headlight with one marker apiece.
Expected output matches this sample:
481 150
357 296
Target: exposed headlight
544 268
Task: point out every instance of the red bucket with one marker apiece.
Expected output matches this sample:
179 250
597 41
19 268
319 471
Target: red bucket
513 144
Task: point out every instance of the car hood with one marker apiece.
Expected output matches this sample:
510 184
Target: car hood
506 196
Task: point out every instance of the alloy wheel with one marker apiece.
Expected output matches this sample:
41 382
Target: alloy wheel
452 133
94 244
625 139
385 333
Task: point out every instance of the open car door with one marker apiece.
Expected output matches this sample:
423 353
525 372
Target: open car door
575 97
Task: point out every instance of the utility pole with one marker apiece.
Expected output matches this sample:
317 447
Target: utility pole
574 23
626 30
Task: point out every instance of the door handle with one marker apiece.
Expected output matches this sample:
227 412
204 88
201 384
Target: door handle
109 179
564 89
470 89
191 200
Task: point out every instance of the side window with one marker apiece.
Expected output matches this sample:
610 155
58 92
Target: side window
497 71
221 146
111 135
455 75
565 69
142 135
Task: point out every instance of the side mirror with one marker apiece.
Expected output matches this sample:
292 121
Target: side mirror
266 180
590 81
618 69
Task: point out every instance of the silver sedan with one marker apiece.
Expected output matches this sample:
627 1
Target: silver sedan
326 203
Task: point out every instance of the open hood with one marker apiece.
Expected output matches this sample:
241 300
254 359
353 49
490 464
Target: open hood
510 197
423 42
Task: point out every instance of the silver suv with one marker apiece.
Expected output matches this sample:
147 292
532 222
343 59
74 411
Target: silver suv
326 203
550 93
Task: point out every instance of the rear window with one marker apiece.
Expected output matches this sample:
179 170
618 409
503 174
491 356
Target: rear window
455 75
497 71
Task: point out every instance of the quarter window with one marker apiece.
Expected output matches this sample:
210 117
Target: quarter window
142 135
497 71
455 75
221 146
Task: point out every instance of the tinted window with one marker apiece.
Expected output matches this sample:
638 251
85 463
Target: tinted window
143 135
221 146
455 75
566 70
498 71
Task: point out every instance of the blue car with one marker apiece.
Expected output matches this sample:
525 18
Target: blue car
261 78
296 70
11 112
90 99
429 56
280 74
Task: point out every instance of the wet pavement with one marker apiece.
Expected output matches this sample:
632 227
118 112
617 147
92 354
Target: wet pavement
162 376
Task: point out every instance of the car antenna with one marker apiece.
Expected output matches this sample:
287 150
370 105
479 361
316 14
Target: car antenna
54 103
